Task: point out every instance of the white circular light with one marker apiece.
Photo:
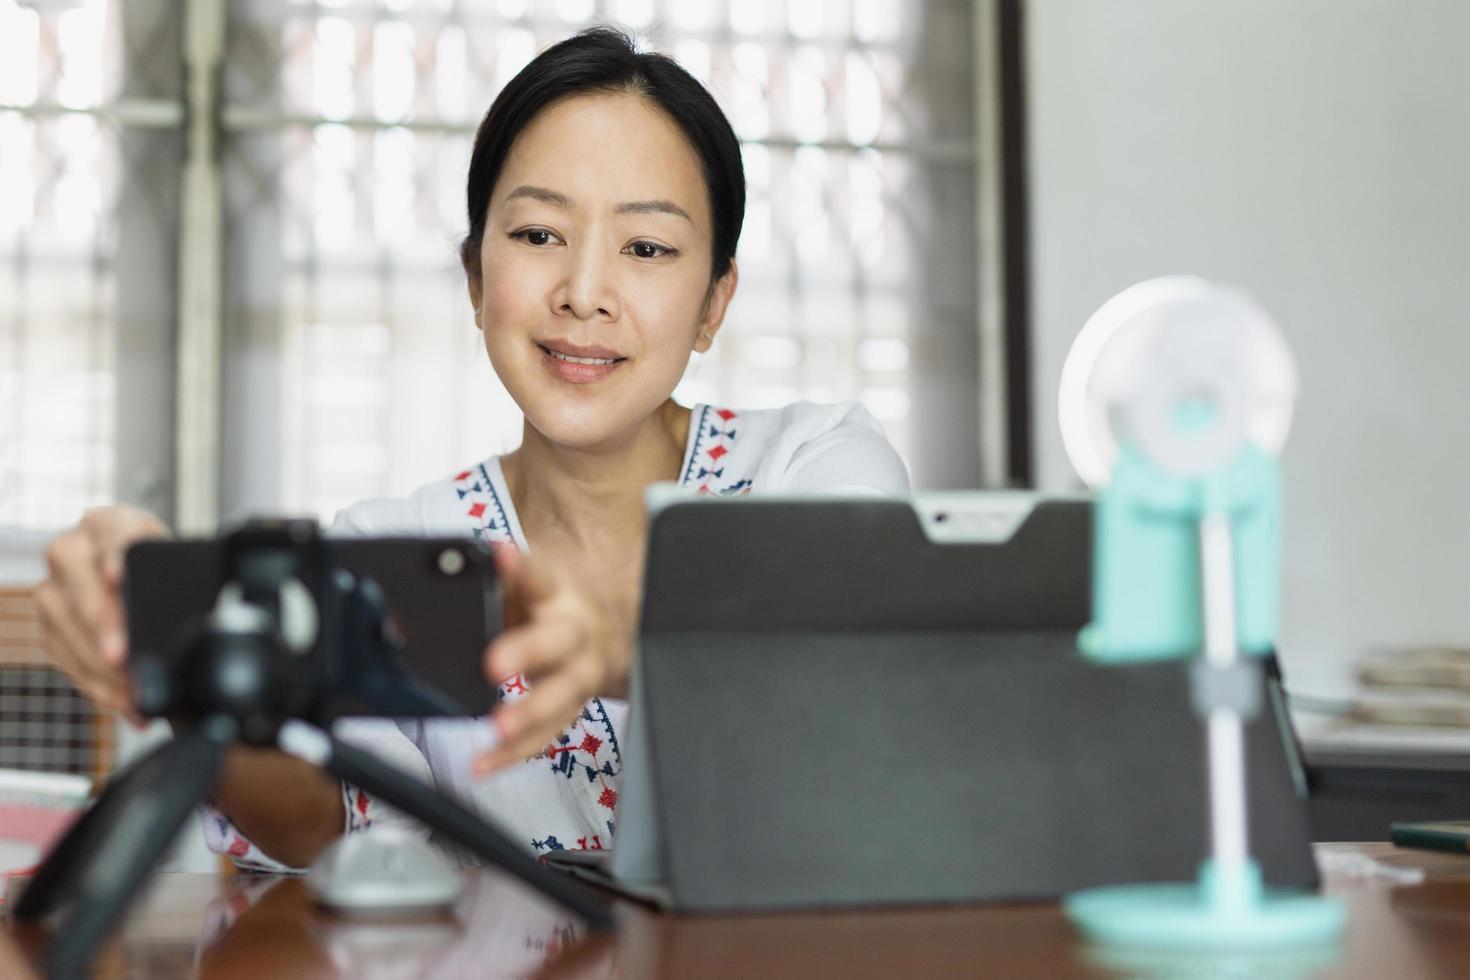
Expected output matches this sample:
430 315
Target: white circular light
1160 350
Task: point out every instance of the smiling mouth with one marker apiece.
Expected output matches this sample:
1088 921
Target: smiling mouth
570 359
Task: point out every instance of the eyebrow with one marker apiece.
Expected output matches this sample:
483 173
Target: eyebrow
541 194
556 199
651 207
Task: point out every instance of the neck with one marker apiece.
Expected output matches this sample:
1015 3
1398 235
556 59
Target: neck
586 495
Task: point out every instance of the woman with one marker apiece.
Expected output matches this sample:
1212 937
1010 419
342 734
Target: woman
605 198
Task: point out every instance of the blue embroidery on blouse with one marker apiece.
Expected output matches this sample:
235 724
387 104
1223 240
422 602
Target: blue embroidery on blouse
700 429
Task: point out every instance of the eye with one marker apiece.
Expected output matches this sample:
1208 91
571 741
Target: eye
537 237
648 250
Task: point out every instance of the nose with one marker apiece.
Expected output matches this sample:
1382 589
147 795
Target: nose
588 290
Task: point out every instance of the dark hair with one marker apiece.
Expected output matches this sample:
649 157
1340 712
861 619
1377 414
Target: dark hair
602 59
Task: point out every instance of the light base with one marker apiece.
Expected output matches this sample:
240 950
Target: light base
1218 913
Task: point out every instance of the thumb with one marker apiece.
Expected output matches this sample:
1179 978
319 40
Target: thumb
114 530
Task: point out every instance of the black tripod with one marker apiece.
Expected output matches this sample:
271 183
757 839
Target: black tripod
240 680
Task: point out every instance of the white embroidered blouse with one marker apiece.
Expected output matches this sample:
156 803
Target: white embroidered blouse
568 799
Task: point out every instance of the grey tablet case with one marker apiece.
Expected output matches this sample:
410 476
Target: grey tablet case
879 701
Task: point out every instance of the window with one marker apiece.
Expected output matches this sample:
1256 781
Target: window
346 128
349 366
89 142
350 131
59 175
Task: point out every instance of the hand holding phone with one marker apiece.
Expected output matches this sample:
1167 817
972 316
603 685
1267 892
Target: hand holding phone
564 649
81 607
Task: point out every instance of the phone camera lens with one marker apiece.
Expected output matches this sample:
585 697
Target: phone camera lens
451 561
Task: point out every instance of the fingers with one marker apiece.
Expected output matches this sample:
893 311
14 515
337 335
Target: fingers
70 648
562 657
537 648
113 530
527 727
561 641
90 604
82 620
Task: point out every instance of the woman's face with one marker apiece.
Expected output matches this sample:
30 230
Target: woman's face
595 268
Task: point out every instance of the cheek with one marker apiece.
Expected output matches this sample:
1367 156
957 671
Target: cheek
506 302
667 328
513 306
510 290
507 316
670 314
664 323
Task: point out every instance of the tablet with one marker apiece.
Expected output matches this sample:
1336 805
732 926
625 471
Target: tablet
879 701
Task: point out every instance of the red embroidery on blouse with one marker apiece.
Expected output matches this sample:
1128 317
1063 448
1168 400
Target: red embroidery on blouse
709 468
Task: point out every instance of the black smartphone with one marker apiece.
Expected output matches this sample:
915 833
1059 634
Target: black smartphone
442 597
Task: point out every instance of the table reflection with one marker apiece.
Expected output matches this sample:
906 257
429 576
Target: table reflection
270 926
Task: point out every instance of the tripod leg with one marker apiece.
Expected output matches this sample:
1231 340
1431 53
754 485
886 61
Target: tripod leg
52 884
465 827
142 823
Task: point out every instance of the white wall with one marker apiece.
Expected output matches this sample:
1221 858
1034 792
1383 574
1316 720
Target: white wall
1316 152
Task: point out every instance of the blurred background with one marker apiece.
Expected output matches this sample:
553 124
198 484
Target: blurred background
229 284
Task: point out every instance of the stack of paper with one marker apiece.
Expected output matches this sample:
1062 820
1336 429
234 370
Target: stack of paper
1424 687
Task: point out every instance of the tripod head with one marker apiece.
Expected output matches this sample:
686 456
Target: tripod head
257 657
295 634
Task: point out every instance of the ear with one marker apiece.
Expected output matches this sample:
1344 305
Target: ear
720 294
476 291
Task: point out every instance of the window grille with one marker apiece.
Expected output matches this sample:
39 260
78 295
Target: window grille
76 189
59 176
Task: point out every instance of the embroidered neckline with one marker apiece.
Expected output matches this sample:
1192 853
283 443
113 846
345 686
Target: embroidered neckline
698 441
485 506
712 443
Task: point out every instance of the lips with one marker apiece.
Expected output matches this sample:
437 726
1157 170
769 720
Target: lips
578 352
579 363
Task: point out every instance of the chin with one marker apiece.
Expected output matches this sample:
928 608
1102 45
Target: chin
582 420
587 414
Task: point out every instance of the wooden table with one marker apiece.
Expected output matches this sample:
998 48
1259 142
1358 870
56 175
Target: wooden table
261 928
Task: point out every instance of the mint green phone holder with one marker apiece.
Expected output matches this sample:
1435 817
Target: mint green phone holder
1175 403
